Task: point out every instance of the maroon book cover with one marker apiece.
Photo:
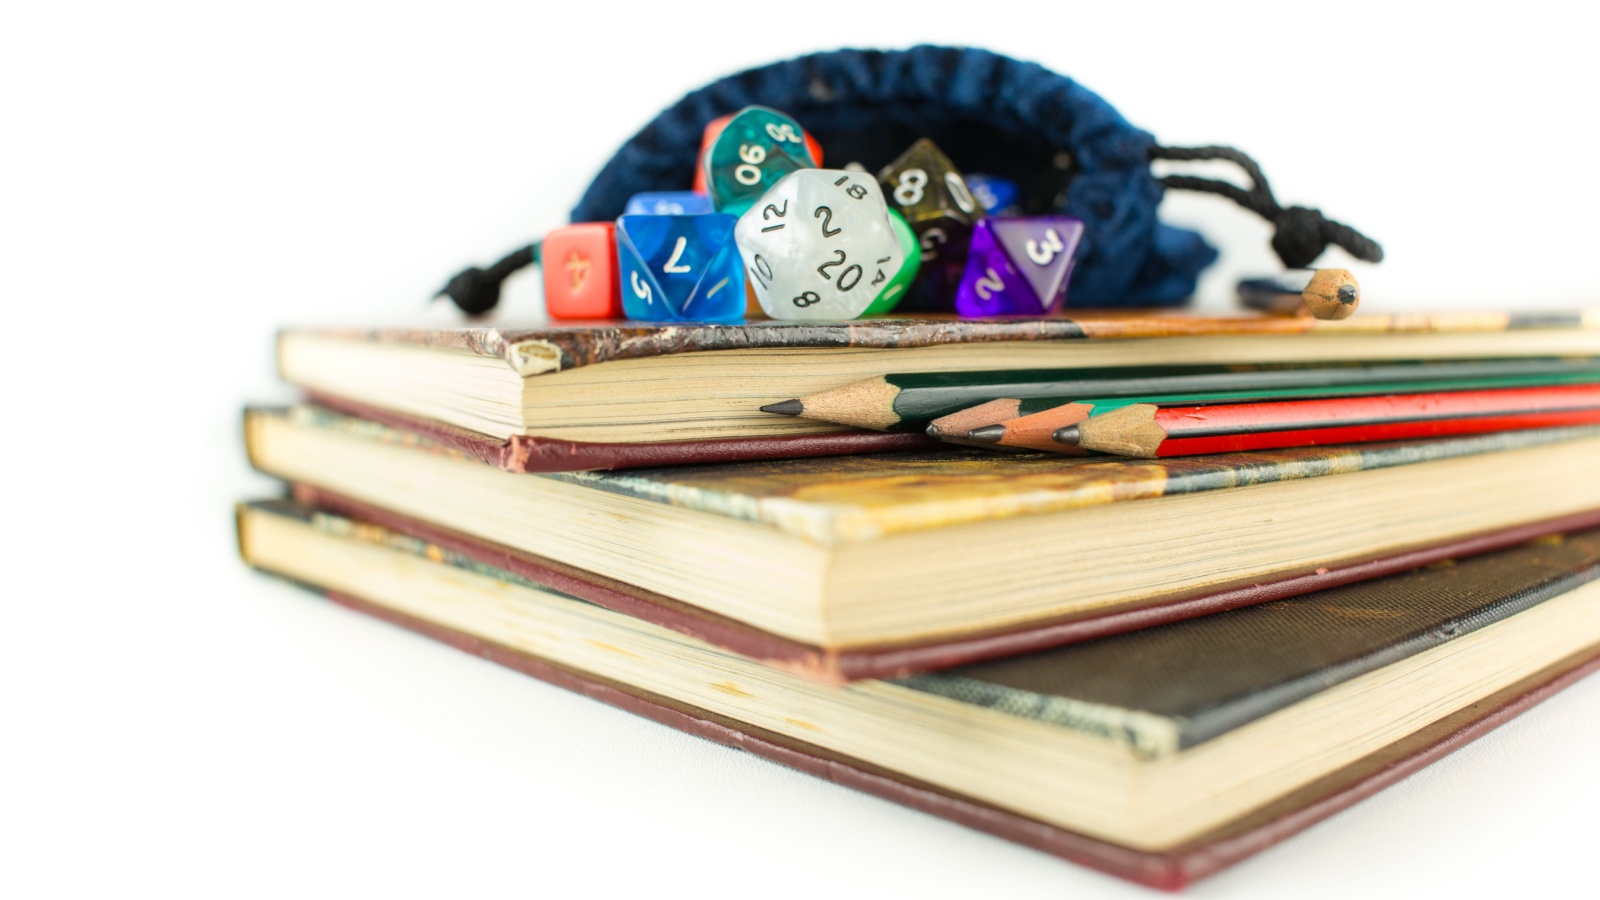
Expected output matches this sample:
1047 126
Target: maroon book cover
527 453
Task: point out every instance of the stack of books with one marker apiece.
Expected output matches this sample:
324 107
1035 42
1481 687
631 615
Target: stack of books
1155 668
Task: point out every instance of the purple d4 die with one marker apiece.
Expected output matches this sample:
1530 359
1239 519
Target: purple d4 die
1018 267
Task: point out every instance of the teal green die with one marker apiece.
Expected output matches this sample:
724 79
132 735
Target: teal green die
758 147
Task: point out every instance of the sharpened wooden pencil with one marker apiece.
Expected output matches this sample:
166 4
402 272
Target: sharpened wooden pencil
1149 430
1033 432
1324 293
954 427
909 401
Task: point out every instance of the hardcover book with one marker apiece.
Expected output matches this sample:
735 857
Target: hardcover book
1159 755
569 397
893 563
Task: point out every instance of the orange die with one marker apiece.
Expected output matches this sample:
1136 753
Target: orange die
580 272
714 129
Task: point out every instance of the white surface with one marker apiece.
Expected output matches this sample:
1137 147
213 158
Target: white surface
178 180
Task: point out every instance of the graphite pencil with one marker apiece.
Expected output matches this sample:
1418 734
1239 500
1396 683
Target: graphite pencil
1323 293
1149 430
909 401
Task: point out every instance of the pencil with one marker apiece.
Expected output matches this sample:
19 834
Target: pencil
1032 432
1149 430
908 401
1036 421
954 427
1324 294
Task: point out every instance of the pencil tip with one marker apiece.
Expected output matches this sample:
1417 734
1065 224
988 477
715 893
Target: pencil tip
988 434
785 408
933 431
1067 435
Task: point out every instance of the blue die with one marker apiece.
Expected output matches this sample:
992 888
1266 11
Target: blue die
668 203
998 196
680 268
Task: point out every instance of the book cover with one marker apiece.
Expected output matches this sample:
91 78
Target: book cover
556 347
1161 691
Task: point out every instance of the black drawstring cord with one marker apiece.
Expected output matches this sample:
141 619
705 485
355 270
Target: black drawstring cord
1299 234
476 291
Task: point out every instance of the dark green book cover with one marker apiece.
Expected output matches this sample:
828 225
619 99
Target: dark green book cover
1212 674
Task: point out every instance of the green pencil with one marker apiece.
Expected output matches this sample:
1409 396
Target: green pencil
908 401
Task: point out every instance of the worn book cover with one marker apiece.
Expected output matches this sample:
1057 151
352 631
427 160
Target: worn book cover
1161 692
556 347
628 395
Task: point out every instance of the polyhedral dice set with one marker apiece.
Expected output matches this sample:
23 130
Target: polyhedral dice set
812 243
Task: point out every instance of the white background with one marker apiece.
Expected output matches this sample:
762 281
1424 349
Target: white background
177 180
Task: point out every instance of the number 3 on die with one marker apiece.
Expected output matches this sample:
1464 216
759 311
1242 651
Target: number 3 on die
1042 254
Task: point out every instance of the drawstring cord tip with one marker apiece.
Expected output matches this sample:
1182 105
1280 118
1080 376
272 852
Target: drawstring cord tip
475 291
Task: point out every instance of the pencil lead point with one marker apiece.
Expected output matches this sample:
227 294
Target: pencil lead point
1067 435
933 431
785 408
988 434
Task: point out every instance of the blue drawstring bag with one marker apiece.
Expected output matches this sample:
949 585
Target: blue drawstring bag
1068 149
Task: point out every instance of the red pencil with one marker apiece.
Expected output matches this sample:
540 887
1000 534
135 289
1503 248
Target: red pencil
1149 430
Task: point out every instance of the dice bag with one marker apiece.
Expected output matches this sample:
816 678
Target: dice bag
990 113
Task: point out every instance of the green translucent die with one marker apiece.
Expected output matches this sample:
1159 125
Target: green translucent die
897 286
757 148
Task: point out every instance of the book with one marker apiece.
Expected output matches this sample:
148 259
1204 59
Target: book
835 665
878 551
1159 755
632 394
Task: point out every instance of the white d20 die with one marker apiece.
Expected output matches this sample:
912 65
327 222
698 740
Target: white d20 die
818 245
